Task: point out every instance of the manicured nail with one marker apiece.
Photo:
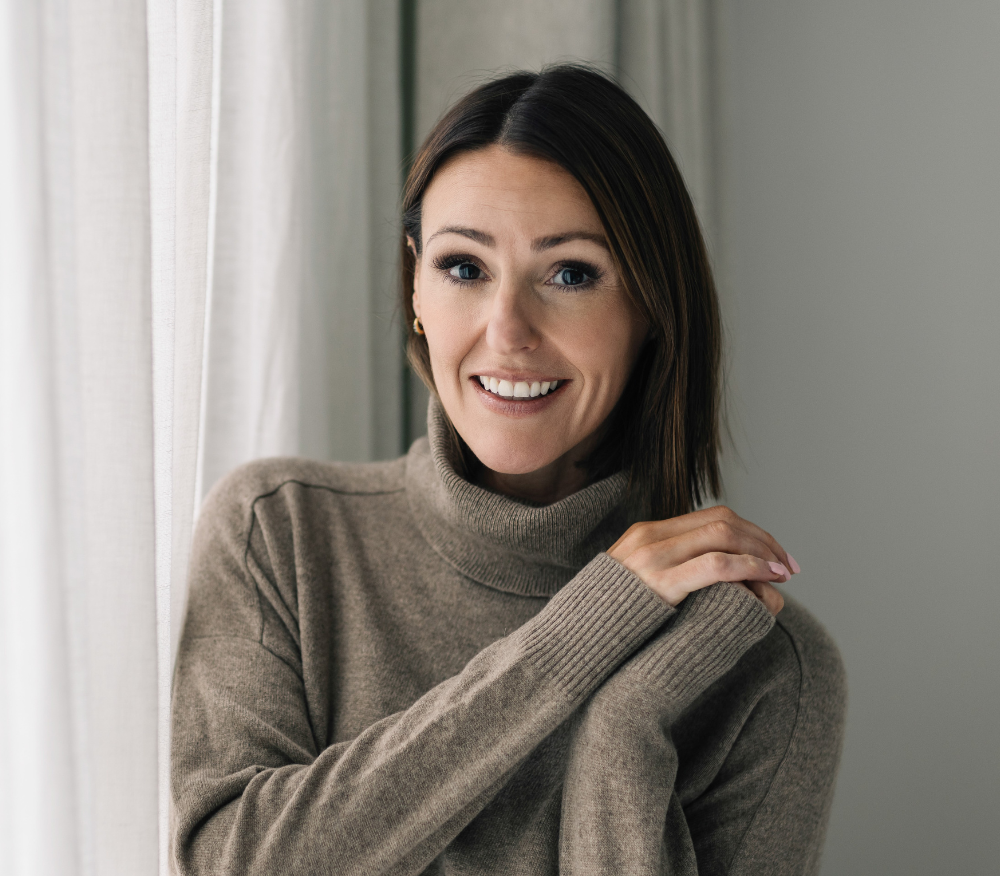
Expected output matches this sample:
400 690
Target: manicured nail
779 569
796 568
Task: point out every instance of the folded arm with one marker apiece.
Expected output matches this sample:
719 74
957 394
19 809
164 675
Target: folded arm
759 801
253 792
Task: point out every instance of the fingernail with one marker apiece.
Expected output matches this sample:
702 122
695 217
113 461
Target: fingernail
796 568
779 569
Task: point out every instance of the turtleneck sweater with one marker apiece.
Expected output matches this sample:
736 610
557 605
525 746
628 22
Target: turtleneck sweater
387 669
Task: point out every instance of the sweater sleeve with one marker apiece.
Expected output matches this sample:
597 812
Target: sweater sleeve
619 790
252 791
765 809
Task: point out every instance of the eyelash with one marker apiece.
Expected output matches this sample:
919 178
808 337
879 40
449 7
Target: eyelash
445 263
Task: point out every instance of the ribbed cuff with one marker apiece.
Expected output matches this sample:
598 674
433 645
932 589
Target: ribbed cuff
592 625
712 629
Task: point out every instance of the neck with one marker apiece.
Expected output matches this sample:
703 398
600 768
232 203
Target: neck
537 487
557 480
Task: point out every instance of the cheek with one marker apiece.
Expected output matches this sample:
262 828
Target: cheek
604 347
449 331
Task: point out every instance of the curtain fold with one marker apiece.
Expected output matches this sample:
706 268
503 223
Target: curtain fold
303 353
667 62
183 57
38 777
198 243
79 689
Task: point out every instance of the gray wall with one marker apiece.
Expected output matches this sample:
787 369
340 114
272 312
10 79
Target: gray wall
861 182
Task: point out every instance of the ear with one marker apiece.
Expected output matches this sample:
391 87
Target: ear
416 276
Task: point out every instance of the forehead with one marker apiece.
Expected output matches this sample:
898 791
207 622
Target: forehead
506 194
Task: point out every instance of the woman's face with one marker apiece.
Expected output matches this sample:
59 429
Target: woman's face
517 291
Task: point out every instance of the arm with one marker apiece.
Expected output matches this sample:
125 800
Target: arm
757 806
620 811
252 790
768 807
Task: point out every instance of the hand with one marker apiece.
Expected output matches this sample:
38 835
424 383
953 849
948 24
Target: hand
675 557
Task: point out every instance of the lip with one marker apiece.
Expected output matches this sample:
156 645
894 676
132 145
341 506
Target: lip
516 407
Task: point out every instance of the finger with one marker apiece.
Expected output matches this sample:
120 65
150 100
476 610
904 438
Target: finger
718 535
673 584
647 532
768 594
756 531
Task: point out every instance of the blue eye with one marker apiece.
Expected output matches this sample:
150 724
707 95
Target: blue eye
570 277
466 271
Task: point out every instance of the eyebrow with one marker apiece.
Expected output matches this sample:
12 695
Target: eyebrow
543 243
538 245
478 236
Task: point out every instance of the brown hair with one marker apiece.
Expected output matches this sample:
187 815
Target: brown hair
664 430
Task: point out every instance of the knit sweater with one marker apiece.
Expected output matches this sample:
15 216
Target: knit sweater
385 668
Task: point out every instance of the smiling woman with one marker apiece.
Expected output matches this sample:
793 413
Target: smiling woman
520 292
631 222
518 649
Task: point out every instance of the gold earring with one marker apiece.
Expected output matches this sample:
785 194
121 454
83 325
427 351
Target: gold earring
417 327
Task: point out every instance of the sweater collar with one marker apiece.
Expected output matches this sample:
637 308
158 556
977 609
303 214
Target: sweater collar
498 541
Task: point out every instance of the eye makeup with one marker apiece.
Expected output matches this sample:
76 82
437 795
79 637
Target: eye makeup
445 264
592 273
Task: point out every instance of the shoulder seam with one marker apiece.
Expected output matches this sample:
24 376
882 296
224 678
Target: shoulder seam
326 487
253 577
788 745
253 522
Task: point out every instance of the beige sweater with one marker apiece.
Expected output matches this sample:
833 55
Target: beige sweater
386 669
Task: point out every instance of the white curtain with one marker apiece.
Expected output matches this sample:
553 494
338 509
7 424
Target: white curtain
197 246
78 619
304 356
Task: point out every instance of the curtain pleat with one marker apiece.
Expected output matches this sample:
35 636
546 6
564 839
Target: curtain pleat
667 63
308 176
39 778
182 51
79 609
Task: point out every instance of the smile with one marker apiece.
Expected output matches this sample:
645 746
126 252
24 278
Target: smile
518 389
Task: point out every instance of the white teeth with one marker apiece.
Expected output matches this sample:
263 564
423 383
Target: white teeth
521 389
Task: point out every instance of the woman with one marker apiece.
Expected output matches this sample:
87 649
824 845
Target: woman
466 660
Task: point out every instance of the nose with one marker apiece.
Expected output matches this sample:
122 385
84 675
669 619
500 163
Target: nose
510 328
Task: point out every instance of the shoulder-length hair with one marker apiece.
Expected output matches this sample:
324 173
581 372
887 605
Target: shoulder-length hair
664 430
